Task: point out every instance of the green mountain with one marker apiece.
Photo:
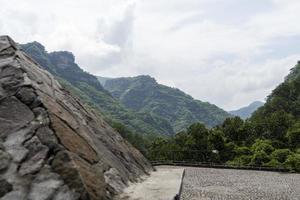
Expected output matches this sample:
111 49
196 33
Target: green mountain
102 80
280 116
144 94
246 112
269 138
87 87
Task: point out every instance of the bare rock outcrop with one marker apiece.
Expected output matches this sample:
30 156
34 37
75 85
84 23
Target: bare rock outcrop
51 145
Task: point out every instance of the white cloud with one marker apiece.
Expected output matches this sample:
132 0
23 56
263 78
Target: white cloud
225 52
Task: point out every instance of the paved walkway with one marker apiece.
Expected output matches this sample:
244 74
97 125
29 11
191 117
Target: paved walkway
163 184
229 184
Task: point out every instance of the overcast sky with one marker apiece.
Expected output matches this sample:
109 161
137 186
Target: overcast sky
229 53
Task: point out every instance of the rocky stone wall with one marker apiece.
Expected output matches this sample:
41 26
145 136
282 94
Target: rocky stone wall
52 146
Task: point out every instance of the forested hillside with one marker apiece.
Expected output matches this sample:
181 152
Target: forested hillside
247 111
270 138
87 87
144 94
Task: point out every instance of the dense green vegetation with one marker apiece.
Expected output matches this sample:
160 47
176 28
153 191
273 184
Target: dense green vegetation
270 138
87 87
234 143
144 94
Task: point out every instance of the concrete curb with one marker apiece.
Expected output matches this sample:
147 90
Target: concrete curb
178 196
182 164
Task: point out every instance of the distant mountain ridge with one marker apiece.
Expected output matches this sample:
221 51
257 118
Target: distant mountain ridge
144 94
140 103
246 112
103 80
87 87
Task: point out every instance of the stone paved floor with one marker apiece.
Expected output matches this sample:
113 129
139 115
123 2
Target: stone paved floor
228 184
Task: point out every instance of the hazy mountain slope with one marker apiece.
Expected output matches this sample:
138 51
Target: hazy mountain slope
144 94
246 112
102 80
86 86
51 145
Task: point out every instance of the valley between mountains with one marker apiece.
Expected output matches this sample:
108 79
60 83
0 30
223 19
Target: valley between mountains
67 134
139 102
158 119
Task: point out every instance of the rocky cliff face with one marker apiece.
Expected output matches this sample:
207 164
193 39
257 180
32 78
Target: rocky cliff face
52 146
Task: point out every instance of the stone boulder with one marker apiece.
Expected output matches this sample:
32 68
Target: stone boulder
51 145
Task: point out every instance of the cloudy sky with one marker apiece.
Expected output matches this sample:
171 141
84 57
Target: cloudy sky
229 53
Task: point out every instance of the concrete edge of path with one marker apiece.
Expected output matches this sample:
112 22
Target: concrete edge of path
178 196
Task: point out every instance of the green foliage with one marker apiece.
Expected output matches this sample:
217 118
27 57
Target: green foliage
200 135
274 163
263 146
281 155
260 158
240 151
242 160
293 135
233 129
217 139
144 94
293 162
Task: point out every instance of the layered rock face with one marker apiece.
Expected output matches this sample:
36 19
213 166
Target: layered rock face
52 146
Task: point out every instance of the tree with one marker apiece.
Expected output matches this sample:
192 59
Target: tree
216 139
158 149
200 135
293 136
233 129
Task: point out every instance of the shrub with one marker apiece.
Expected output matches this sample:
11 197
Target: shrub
240 160
260 158
281 155
293 162
263 146
243 151
274 163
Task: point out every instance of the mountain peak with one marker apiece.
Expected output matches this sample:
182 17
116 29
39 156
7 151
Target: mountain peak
63 57
254 103
177 109
145 79
246 112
